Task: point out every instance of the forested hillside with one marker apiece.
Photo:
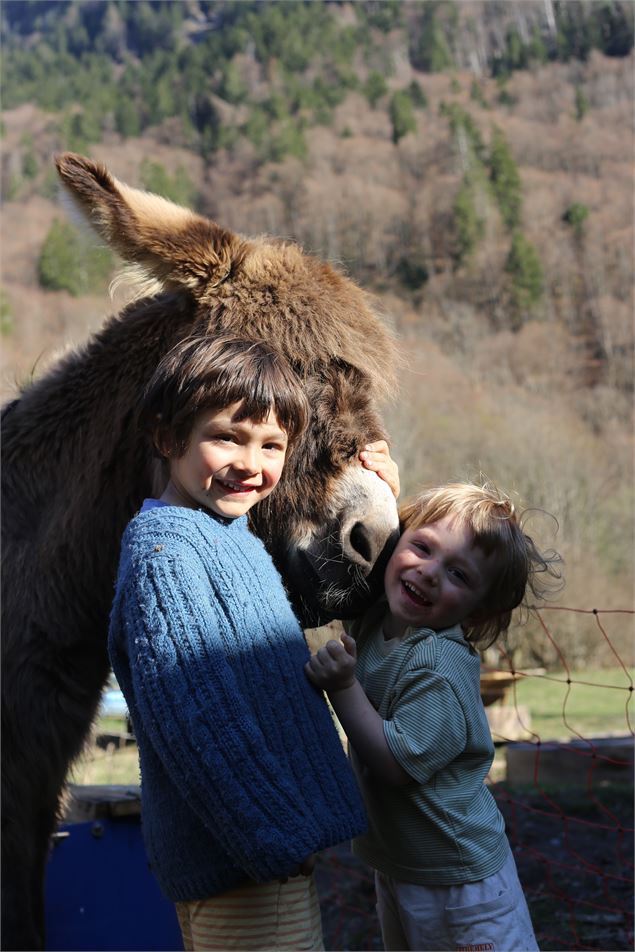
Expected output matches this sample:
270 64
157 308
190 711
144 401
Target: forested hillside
470 163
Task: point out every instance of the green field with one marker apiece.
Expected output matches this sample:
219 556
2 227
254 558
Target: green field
596 703
112 766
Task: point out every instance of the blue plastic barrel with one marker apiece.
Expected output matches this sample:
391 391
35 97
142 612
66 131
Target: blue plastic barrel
101 895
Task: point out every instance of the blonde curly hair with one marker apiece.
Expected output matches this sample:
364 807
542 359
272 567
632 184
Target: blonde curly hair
498 530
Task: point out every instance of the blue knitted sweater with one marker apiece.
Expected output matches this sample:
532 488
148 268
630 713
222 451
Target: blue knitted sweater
242 771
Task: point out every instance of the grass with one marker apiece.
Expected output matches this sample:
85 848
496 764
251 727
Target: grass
594 704
111 766
111 725
107 767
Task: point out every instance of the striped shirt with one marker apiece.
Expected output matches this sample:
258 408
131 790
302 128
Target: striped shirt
444 827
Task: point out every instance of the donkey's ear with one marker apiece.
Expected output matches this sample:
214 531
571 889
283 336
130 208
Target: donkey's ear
174 245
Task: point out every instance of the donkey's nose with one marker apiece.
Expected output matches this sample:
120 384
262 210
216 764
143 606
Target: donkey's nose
368 518
360 542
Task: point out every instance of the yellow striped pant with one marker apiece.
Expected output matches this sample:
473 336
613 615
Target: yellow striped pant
260 916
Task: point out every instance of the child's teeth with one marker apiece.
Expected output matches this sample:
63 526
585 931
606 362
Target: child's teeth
415 591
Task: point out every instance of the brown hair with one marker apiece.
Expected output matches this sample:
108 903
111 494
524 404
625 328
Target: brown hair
210 374
498 531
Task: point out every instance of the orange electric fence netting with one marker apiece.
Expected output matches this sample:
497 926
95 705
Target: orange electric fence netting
567 799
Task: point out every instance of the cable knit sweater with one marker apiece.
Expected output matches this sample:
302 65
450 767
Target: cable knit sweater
242 771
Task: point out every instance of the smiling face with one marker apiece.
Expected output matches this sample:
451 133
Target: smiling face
436 578
229 465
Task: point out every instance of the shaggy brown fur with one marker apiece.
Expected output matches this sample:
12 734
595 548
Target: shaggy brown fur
75 469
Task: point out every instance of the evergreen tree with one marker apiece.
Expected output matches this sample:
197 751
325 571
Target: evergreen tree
401 115
375 87
232 87
206 120
538 52
505 180
477 95
153 27
385 15
417 95
6 314
66 263
112 38
277 106
572 41
516 52
462 121
616 27
80 130
328 93
288 140
575 216
29 160
581 104
49 185
429 49
525 271
256 127
468 224
127 121
505 98
177 188
29 165
412 271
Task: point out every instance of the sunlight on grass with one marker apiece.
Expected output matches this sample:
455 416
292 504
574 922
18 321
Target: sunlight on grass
601 705
107 767
111 766
116 767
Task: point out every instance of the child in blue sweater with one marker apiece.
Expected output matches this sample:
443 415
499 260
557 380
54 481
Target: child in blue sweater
243 776
405 685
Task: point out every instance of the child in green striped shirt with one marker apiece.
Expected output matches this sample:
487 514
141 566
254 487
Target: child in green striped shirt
404 682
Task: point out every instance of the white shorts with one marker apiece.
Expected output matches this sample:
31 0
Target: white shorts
487 916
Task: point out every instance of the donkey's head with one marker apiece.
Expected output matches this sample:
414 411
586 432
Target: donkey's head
330 520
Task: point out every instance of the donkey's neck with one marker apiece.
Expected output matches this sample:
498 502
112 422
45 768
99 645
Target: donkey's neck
72 435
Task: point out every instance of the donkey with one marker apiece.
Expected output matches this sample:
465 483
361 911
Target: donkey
76 468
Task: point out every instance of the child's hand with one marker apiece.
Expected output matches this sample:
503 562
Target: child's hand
305 868
333 667
376 456
308 865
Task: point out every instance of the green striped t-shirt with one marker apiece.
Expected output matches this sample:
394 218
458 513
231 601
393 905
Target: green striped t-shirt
444 827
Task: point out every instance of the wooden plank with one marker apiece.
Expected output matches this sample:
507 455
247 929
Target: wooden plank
574 763
94 801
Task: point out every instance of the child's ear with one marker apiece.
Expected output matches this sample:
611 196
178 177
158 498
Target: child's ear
162 442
